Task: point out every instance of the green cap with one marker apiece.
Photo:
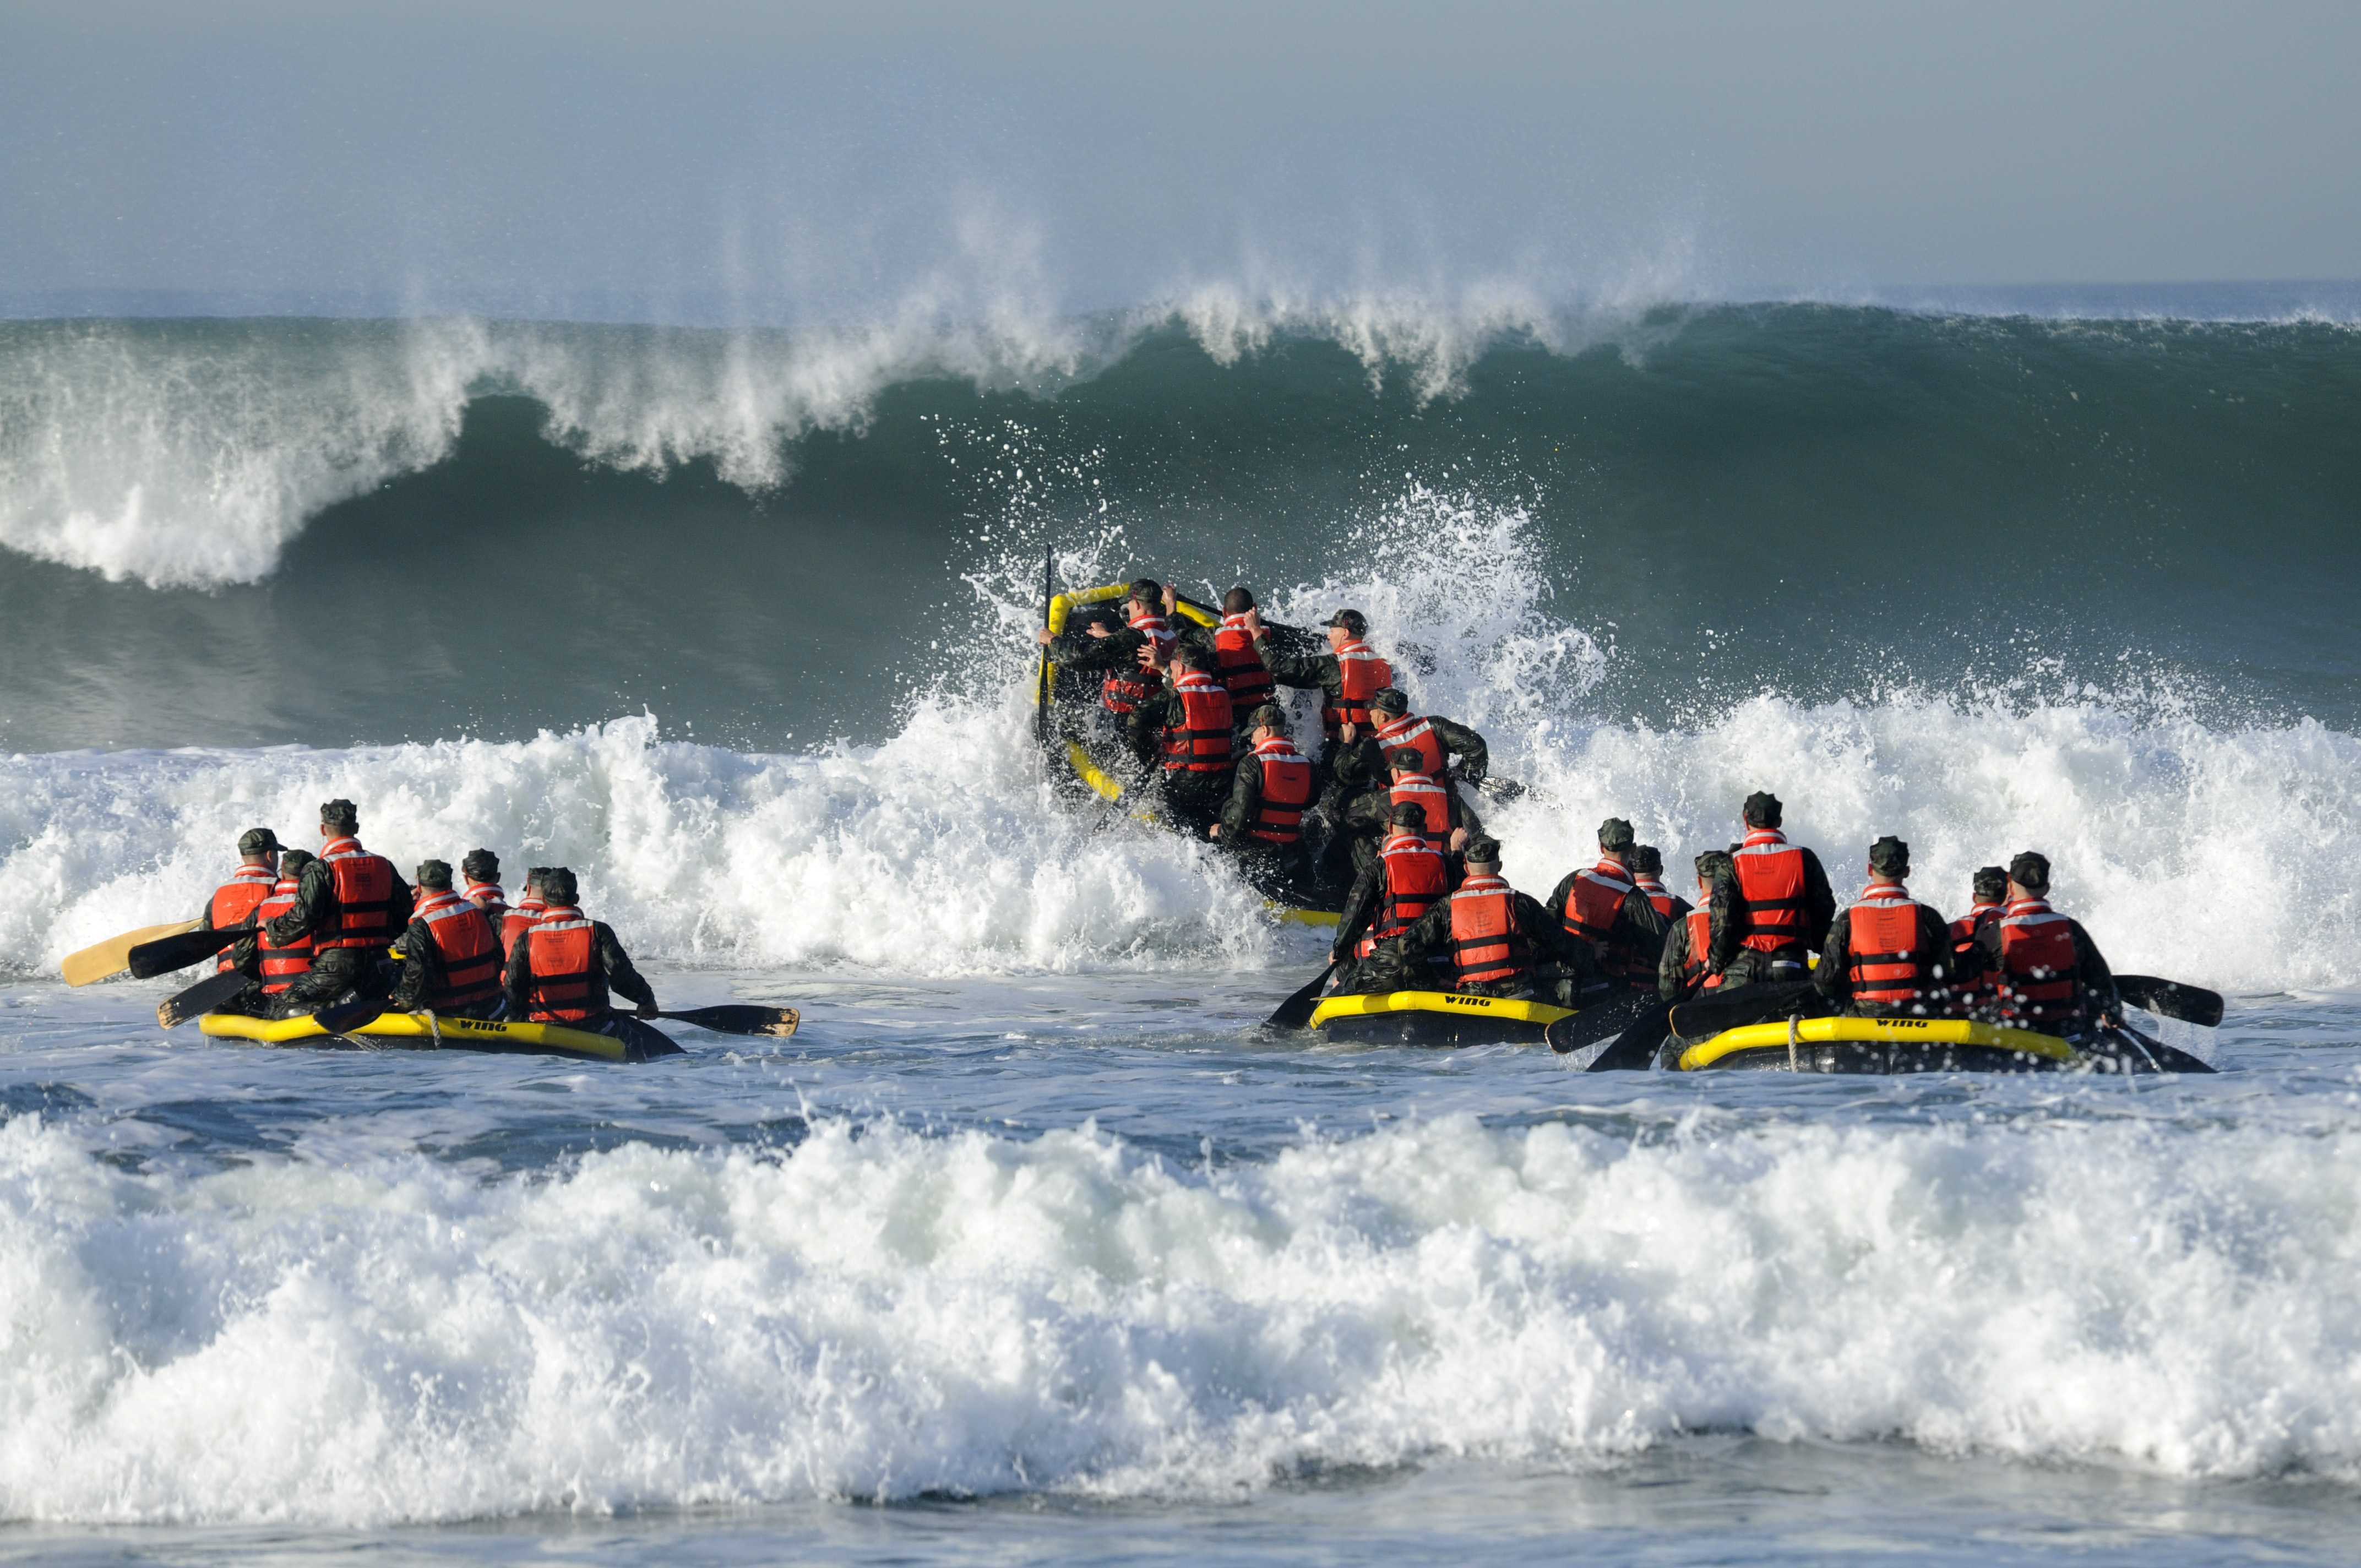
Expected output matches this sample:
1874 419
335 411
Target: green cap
1409 813
1486 851
2030 870
1615 834
339 813
1889 856
1389 700
1991 884
1352 620
258 842
435 873
1647 860
1763 809
293 861
1269 716
482 865
1715 864
557 885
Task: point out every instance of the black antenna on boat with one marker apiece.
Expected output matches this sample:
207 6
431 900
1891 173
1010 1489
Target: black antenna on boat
1049 592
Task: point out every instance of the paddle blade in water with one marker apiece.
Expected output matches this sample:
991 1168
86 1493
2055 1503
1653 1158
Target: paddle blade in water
2171 999
202 997
1297 1010
740 1019
343 1018
113 955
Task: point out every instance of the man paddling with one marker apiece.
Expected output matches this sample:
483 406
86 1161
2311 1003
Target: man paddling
352 904
1978 993
528 909
2051 975
1400 884
235 901
1681 972
1777 901
1445 816
1889 956
1363 763
1350 674
451 956
1647 868
482 870
1602 906
1119 654
1498 939
1192 716
1270 793
568 969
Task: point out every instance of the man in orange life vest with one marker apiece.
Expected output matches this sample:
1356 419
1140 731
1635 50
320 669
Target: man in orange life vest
235 900
2050 973
1268 795
1978 994
1603 907
1119 654
352 904
1189 720
482 870
1889 956
1499 940
273 969
1681 971
1448 820
1777 900
1400 883
1237 661
568 969
1351 674
528 909
1362 763
1647 867
451 957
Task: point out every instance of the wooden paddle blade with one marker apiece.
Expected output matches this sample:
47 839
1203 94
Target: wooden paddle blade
741 1019
202 997
1297 1010
151 958
2171 999
113 955
343 1018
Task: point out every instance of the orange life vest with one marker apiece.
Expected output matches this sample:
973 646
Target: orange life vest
281 965
1887 964
1241 667
1431 798
492 899
2041 980
569 984
1286 791
1972 995
1414 877
1419 736
1202 745
1700 948
236 899
1658 894
469 950
1593 910
1363 675
1128 687
365 885
1771 880
518 921
1486 945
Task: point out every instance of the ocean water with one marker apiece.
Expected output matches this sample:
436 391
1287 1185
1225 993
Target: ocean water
1031 1246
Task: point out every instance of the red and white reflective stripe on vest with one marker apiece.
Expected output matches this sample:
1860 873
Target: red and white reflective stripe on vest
1700 948
469 950
1419 736
520 919
1202 744
1771 880
568 983
365 885
1433 801
1415 876
1594 908
1486 945
2041 966
1127 689
1286 791
1363 675
1964 932
1885 962
492 898
236 899
1241 667
1658 894
281 965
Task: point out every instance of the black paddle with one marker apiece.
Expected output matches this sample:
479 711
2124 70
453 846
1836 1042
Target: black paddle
343 1018
1049 593
149 960
741 1019
2164 998
2164 1057
1710 1014
1297 1010
202 997
1634 1050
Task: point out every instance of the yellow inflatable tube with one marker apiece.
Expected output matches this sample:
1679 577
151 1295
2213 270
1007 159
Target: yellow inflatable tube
1884 1031
1506 1009
429 1031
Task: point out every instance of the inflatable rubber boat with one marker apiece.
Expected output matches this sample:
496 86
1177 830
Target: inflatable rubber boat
1435 1018
428 1032
1879 1045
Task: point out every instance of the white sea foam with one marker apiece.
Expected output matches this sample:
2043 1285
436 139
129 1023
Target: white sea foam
883 1315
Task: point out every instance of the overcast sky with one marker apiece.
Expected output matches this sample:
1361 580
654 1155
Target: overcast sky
708 160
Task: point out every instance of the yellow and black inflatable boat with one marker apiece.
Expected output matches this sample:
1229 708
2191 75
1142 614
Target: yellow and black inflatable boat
1883 1046
428 1032
1435 1018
